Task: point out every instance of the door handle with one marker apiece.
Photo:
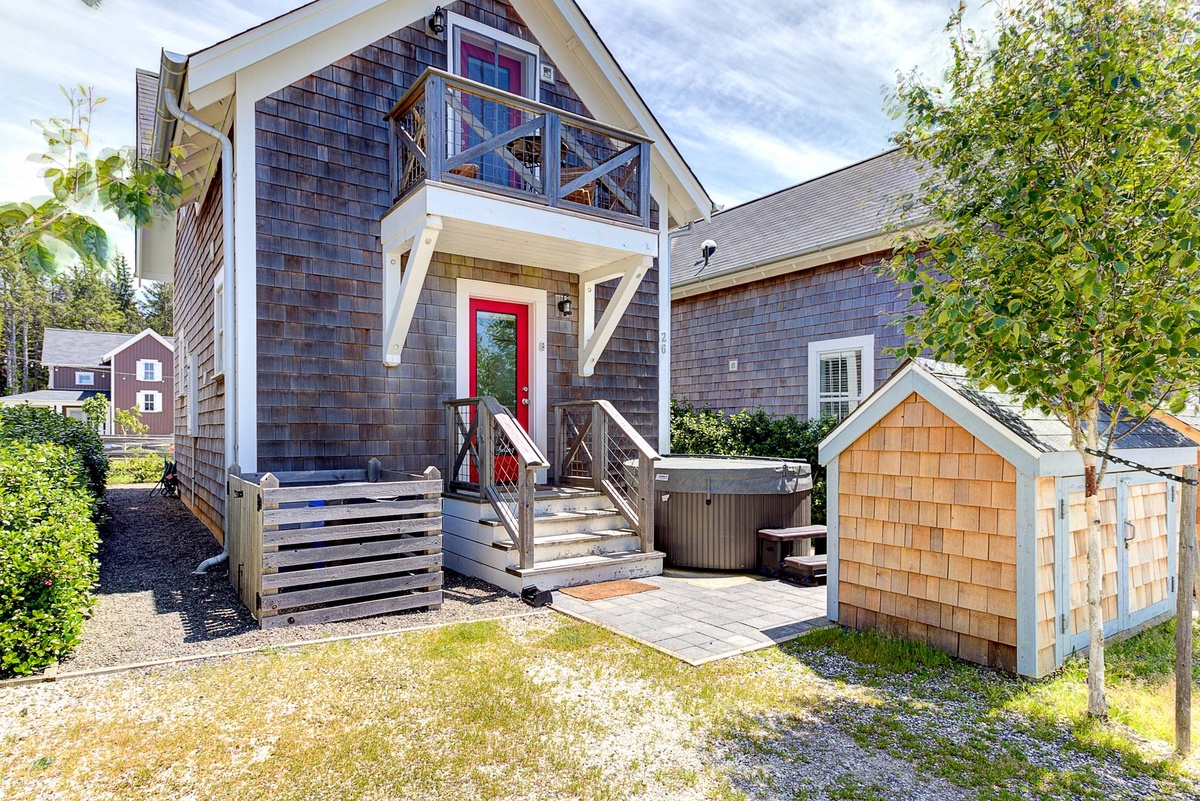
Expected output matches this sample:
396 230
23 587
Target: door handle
524 401
1130 537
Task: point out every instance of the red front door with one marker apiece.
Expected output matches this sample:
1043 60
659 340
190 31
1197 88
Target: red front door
500 365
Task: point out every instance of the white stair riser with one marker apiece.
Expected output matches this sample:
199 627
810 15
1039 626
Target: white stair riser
549 527
546 552
640 568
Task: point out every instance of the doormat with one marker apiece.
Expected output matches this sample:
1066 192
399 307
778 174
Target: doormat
607 589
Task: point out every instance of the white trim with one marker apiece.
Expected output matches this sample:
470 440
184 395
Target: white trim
193 402
79 382
1026 568
530 70
864 344
1062 576
634 270
156 399
1070 463
220 326
538 301
833 526
659 190
149 332
141 371
245 284
402 291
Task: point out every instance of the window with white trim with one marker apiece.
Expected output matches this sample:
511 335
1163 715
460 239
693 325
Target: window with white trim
149 402
488 55
193 404
85 379
218 300
841 372
149 370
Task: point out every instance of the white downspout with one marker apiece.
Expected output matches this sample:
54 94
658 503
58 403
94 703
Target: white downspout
230 275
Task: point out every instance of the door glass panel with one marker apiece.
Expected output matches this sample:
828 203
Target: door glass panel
496 357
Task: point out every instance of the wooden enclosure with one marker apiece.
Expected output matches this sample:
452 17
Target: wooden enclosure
326 545
957 518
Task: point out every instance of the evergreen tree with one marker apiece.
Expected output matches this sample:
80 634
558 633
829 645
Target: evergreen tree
84 300
157 308
125 295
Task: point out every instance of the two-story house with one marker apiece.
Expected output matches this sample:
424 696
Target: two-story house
133 370
407 224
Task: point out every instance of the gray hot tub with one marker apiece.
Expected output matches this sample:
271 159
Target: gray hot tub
709 508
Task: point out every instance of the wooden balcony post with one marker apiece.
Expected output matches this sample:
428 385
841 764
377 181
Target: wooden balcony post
451 443
394 158
435 126
599 446
560 446
525 508
644 183
552 159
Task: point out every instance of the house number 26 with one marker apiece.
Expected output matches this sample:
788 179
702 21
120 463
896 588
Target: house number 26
662 337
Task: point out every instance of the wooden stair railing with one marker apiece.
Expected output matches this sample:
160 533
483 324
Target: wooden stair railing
594 445
488 453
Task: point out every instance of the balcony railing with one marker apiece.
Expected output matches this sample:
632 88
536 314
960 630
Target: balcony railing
450 130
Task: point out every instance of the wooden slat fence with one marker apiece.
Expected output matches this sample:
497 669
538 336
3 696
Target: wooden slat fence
319 546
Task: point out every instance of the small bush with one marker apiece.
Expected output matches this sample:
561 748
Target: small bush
141 467
707 431
48 544
34 425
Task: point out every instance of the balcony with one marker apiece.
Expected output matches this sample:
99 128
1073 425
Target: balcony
454 131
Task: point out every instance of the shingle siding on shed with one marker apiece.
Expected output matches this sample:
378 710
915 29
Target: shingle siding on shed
325 400
767 326
200 459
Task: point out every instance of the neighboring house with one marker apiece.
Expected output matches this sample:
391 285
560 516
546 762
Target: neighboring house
789 312
430 203
131 369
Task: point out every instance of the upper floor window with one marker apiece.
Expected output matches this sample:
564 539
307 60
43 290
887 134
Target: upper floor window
85 379
490 56
841 372
149 370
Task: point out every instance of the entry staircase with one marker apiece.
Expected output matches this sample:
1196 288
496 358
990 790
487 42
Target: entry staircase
594 523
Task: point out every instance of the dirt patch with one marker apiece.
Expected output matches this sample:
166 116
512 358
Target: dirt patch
150 605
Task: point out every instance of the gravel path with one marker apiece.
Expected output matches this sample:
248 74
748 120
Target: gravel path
151 606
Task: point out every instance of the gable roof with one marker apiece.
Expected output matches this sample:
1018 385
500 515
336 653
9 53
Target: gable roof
851 204
1028 438
166 342
307 36
79 348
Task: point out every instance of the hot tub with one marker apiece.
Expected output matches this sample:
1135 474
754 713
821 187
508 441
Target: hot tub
709 508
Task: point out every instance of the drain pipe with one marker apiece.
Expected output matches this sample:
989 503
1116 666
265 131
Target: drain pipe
168 113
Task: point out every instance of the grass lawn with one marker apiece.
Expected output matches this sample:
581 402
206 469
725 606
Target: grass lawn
545 708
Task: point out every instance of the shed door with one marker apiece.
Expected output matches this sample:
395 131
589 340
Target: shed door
1138 526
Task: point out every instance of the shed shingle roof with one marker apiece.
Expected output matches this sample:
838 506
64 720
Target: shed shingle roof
1041 430
855 202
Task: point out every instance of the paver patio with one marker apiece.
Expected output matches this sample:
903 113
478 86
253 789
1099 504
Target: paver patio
699 617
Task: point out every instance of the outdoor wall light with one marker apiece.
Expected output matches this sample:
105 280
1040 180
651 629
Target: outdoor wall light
564 305
437 21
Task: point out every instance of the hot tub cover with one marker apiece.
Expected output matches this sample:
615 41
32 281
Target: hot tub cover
731 475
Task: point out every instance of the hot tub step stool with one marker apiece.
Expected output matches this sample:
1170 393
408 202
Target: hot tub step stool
806 570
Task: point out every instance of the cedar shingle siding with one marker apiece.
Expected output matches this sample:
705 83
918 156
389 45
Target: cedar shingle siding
325 399
200 459
767 326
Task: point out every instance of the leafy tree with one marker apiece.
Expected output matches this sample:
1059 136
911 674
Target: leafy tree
95 409
125 295
129 422
1060 159
158 307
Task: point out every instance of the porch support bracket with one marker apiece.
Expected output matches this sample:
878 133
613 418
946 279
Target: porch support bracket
400 304
632 270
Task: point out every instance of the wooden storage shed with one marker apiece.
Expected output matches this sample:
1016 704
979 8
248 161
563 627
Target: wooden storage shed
956 517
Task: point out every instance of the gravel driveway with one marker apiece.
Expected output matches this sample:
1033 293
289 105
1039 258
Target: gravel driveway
151 606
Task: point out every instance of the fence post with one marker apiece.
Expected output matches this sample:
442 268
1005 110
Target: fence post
485 448
255 551
451 443
646 501
1183 613
552 159
560 446
435 127
525 504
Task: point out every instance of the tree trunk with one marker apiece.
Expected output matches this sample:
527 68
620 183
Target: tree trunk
1097 703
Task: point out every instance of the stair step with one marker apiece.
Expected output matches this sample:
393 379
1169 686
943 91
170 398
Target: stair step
588 569
565 522
552 547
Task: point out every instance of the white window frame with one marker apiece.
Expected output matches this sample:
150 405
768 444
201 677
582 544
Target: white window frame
91 378
192 402
219 325
155 400
157 371
457 25
865 345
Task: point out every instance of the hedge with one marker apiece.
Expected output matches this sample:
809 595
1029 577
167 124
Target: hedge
34 425
48 543
752 433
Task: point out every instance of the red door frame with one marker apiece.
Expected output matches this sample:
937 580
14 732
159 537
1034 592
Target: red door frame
514 67
521 312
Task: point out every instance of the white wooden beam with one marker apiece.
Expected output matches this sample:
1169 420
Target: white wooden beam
634 269
401 303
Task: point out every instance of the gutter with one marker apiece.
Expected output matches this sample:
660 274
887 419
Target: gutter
167 116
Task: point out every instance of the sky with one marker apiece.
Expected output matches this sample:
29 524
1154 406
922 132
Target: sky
756 94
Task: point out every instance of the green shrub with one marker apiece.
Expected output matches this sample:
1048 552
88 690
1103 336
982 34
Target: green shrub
48 544
35 425
707 431
140 467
